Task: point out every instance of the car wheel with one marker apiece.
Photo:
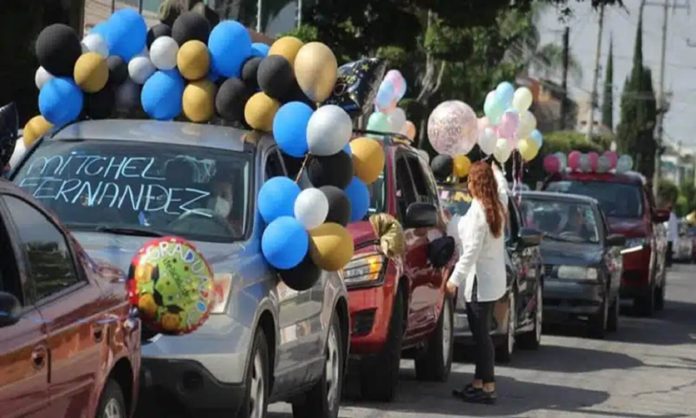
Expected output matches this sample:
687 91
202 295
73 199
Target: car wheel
256 398
323 400
613 321
503 352
597 326
112 404
379 374
435 364
532 339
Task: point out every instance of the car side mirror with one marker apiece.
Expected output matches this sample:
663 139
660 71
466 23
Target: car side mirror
9 309
529 237
420 215
660 216
616 240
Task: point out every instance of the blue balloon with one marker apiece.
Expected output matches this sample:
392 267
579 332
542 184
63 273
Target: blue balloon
126 34
102 29
277 198
60 101
259 49
285 243
504 93
347 150
229 45
537 137
290 128
359 198
162 94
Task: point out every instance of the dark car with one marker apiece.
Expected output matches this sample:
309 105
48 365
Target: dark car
69 346
517 316
583 262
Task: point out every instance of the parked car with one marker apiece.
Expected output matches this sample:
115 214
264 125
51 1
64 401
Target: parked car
630 210
683 249
117 183
582 260
68 344
518 315
398 305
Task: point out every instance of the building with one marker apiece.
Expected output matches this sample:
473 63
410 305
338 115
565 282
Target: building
548 97
677 166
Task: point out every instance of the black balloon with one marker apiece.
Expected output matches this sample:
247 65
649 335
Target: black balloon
296 94
231 98
9 125
100 105
333 170
303 276
357 85
442 166
157 31
276 77
189 26
118 70
57 49
210 15
339 205
250 72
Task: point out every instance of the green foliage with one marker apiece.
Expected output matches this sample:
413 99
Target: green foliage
395 56
305 33
448 43
566 141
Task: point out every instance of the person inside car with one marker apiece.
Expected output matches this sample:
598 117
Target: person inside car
577 225
221 201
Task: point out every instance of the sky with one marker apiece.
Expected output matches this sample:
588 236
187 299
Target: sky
620 25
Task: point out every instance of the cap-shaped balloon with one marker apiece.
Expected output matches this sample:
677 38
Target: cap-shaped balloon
260 110
316 70
199 101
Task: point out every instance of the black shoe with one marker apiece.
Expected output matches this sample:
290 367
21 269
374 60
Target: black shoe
468 390
481 396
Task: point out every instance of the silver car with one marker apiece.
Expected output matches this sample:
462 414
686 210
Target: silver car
118 183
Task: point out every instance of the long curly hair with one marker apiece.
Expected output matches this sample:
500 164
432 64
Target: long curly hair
483 186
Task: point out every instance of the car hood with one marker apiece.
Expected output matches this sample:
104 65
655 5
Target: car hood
629 227
571 253
362 232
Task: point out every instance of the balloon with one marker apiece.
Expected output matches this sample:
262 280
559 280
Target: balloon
301 277
60 101
287 46
171 284
368 159
357 85
502 150
230 100
229 45
624 164
284 243
311 208
410 130
483 123
277 198
613 158
462 165
522 99
504 94
551 164
96 43
537 137
162 93
198 101
100 105
155 32
126 33
290 127
260 110
562 159
190 26
397 80
91 72
528 149
526 125
593 158
41 77
574 160
442 167
584 163
192 59
141 69
384 98
100 28
359 198
333 170
127 98
339 205
35 129
163 53
275 77
379 122
508 124
488 138
250 71
57 49
397 119
329 130
316 70
493 108
118 70
331 246
9 125
603 164
453 128
259 49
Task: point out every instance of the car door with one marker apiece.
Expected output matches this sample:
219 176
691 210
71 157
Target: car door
23 346
526 263
69 305
515 266
613 260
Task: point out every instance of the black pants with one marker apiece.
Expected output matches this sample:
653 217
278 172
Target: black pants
670 254
479 316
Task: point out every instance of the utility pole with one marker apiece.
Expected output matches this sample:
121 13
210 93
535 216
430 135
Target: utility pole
593 100
299 13
259 6
564 82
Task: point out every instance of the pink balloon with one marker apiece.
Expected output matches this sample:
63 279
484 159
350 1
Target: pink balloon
552 164
398 81
594 158
613 158
508 124
574 160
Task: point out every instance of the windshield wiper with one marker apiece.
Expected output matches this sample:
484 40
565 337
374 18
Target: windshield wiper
129 230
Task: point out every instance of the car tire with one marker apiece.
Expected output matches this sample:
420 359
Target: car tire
532 340
436 363
324 398
379 374
644 305
598 324
614 314
112 403
504 351
256 382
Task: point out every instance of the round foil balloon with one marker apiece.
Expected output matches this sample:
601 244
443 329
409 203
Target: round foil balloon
171 284
453 128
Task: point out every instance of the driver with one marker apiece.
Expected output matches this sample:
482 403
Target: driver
222 200
576 224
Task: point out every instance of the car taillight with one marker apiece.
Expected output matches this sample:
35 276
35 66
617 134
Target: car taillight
222 287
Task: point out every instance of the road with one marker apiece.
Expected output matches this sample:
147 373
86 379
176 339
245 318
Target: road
647 369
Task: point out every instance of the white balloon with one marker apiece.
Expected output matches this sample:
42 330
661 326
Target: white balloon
311 208
94 42
140 68
41 77
502 150
397 119
329 130
585 163
487 141
527 124
163 52
18 152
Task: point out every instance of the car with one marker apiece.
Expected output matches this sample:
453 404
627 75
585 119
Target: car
683 248
628 204
691 233
398 305
69 344
518 315
582 260
118 183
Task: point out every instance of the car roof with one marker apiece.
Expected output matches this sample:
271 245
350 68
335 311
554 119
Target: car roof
563 197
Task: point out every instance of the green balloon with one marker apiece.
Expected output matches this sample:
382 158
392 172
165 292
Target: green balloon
379 122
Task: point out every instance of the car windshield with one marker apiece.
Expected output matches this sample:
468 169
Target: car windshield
561 221
616 199
142 188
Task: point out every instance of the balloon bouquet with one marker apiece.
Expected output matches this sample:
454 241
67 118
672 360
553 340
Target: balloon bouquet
388 117
591 162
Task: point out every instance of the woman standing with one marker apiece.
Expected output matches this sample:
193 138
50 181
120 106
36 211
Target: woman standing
481 272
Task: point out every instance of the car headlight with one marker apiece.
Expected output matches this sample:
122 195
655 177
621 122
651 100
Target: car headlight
222 287
577 273
634 244
364 269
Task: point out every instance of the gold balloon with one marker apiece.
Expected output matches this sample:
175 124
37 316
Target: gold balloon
461 165
287 46
368 159
331 246
410 130
35 129
199 101
528 149
316 70
260 110
91 72
193 60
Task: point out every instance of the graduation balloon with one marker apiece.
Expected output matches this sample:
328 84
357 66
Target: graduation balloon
357 85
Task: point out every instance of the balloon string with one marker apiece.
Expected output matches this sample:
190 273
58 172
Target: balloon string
302 168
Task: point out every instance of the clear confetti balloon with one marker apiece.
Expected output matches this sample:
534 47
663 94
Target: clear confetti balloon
453 128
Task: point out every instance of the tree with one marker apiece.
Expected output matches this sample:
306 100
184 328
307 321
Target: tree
608 103
548 62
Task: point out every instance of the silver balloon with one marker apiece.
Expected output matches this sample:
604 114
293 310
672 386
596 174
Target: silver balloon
585 166
624 164
603 164
140 68
41 77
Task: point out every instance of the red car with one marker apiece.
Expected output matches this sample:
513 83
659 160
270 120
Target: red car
68 344
399 305
628 204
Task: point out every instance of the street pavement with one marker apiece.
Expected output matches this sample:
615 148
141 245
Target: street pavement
646 369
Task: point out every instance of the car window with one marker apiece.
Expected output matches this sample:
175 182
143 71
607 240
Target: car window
616 199
563 220
405 193
378 194
51 265
274 165
9 274
423 191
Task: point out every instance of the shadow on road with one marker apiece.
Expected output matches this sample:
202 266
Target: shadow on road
556 358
